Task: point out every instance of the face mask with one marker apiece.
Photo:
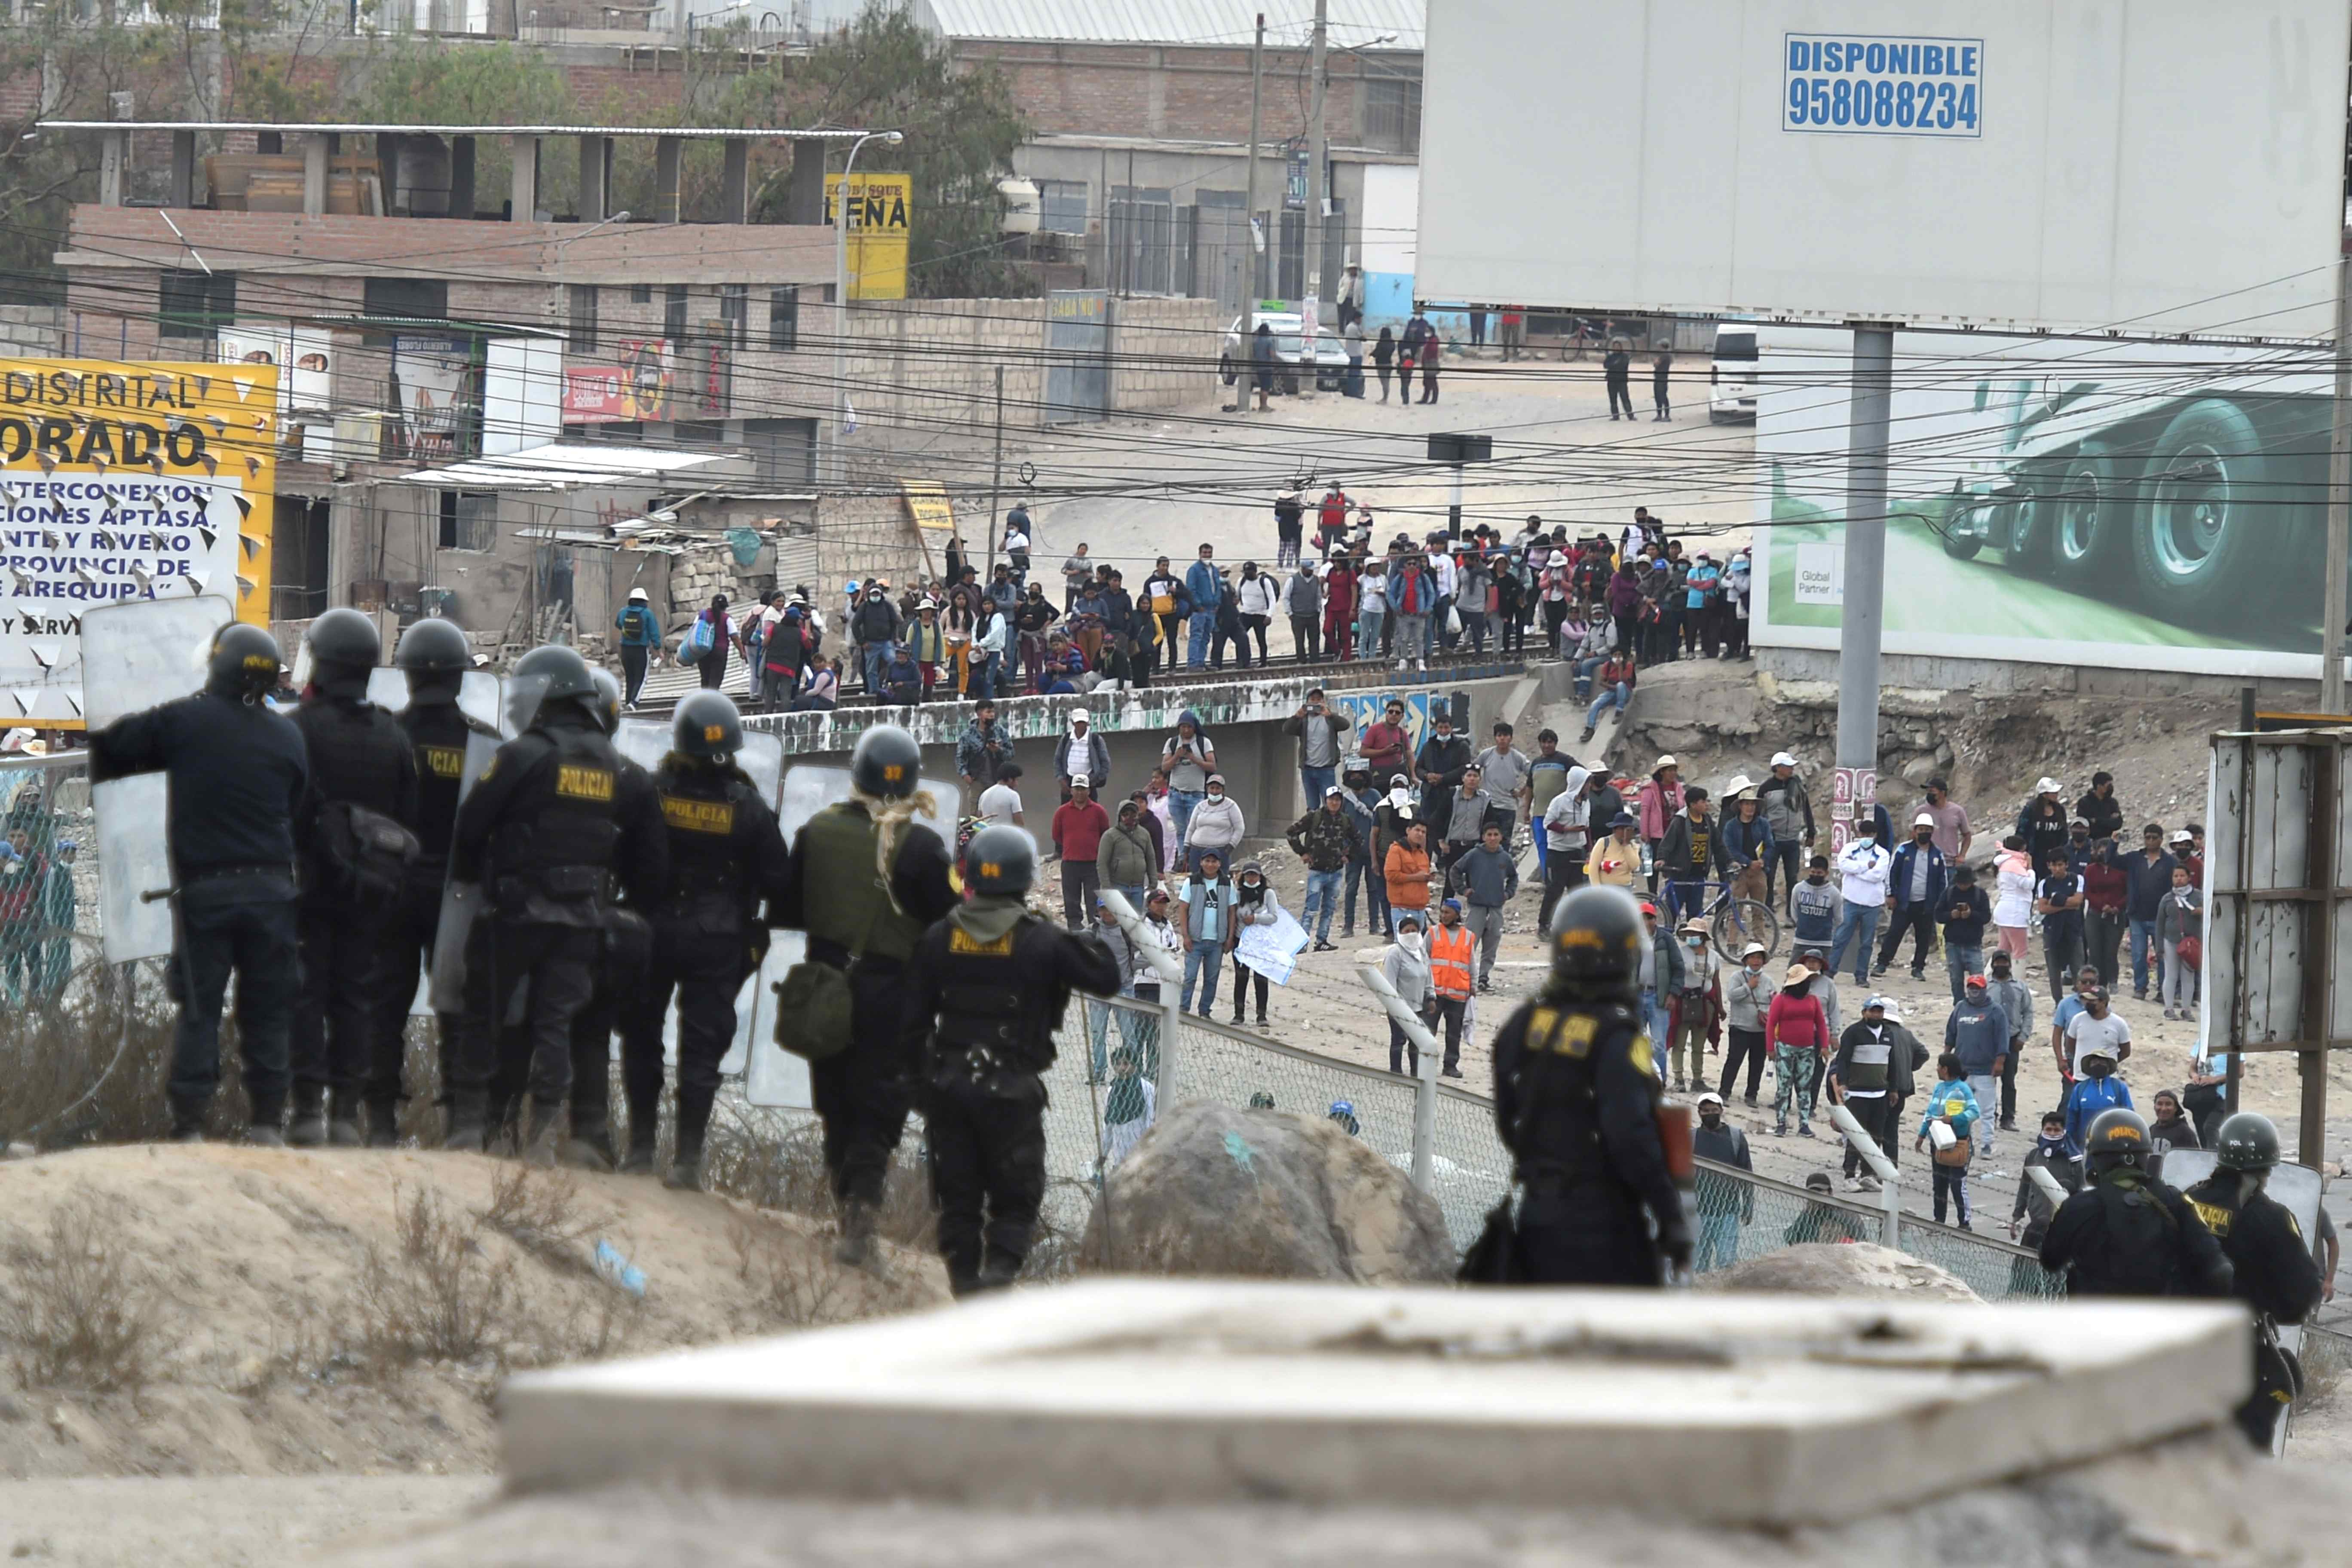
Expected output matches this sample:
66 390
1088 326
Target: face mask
1817 878
1693 942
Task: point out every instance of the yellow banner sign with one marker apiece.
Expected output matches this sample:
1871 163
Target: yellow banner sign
122 481
879 227
928 503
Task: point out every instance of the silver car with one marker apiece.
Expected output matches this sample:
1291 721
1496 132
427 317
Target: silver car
1330 358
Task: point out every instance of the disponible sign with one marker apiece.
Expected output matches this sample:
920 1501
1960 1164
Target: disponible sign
1841 85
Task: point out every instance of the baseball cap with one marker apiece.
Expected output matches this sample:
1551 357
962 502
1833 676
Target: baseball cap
1975 980
1453 904
2183 835
1079 781
1648 907
1878 1001
1783 760
1217 779
2045 785
1330 790
1708 1097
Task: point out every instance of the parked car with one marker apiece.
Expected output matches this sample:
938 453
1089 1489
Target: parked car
1331 358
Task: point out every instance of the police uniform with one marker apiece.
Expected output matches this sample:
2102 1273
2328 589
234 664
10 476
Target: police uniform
438 734
360 756
546 830
726 854
238 773
2127 1234
990 984
2272 1269
1576 1099
831 890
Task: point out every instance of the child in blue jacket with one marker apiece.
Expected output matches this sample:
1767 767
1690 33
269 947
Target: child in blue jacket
1953 1103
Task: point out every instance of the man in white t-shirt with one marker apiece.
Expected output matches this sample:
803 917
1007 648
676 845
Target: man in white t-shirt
2096 1027
1000 803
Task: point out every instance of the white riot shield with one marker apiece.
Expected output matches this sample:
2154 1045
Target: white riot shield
388 690
773 1076
462 903
136 654
646 742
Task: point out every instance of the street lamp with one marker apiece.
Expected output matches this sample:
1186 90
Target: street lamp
841 302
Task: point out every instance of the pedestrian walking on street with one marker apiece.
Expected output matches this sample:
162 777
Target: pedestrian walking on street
1384 350
1430 353
1659 369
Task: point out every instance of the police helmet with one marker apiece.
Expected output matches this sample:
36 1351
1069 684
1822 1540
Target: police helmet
887 764
1000 861
344 639
2248 1142
608 699
2117 1137
243 663
565 672
1596 944
434 646
707 726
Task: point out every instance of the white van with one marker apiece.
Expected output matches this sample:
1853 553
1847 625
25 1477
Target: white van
1732 382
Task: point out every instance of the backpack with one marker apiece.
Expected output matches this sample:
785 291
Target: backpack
365 856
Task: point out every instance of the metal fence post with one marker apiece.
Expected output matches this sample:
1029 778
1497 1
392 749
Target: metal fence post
1889 1198
1425 1088
1171 987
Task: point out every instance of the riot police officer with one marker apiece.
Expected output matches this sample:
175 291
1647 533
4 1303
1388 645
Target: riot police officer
239 773
545 831
726 854
865 881
627 949
2126 1233
1577 1097
990 984
358 850
434 655
2270 1264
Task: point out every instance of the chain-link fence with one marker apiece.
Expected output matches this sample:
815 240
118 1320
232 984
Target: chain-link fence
48 878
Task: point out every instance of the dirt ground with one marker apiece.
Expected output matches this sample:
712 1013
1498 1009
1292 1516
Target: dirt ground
214 1310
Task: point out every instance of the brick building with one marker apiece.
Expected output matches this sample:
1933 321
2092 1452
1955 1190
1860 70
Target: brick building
1142 116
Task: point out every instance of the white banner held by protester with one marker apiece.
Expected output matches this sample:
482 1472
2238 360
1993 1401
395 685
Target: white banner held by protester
1273 951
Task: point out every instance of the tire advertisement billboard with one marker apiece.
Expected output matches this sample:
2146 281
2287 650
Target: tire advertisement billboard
122 482
2159 165
2137 505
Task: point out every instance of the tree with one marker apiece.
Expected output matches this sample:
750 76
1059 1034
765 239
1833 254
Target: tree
885 72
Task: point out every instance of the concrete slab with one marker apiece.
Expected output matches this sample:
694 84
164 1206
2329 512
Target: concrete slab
1130 1393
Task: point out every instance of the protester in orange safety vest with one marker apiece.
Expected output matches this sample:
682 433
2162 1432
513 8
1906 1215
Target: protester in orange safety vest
1452 951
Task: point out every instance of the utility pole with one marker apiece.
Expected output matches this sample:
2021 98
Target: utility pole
2332 603
1249 198
996 468
1317 154
1859 619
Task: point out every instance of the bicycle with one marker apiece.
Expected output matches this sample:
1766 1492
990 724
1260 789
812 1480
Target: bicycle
1734 922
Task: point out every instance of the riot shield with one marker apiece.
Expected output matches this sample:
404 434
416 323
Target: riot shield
773 1076
136 654
646 742
462 903
388 690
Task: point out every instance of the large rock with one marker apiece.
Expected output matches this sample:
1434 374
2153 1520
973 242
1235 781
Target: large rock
1216 1190
1843 1268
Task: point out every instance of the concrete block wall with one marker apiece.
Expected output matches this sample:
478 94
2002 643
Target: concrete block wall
1146 90
1164 353
32 331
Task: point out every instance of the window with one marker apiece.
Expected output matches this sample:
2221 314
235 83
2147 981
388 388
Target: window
735 310
1392 113
191 304
674 313
426 298
581 338
782 450
641 293
1062 205
469 519
783 319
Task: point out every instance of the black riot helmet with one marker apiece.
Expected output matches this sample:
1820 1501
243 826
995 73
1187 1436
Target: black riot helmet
434 646
1596 944
344 640
887 764
2117 1139
607 703
1000 862
243 664
2247 1142
708 726
565 672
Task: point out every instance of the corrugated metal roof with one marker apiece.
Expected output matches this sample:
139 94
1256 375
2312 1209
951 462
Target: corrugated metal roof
1353 23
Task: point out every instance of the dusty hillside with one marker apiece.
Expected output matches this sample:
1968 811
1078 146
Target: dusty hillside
216 1309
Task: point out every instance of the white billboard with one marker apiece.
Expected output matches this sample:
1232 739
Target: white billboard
2156 165
2138 506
